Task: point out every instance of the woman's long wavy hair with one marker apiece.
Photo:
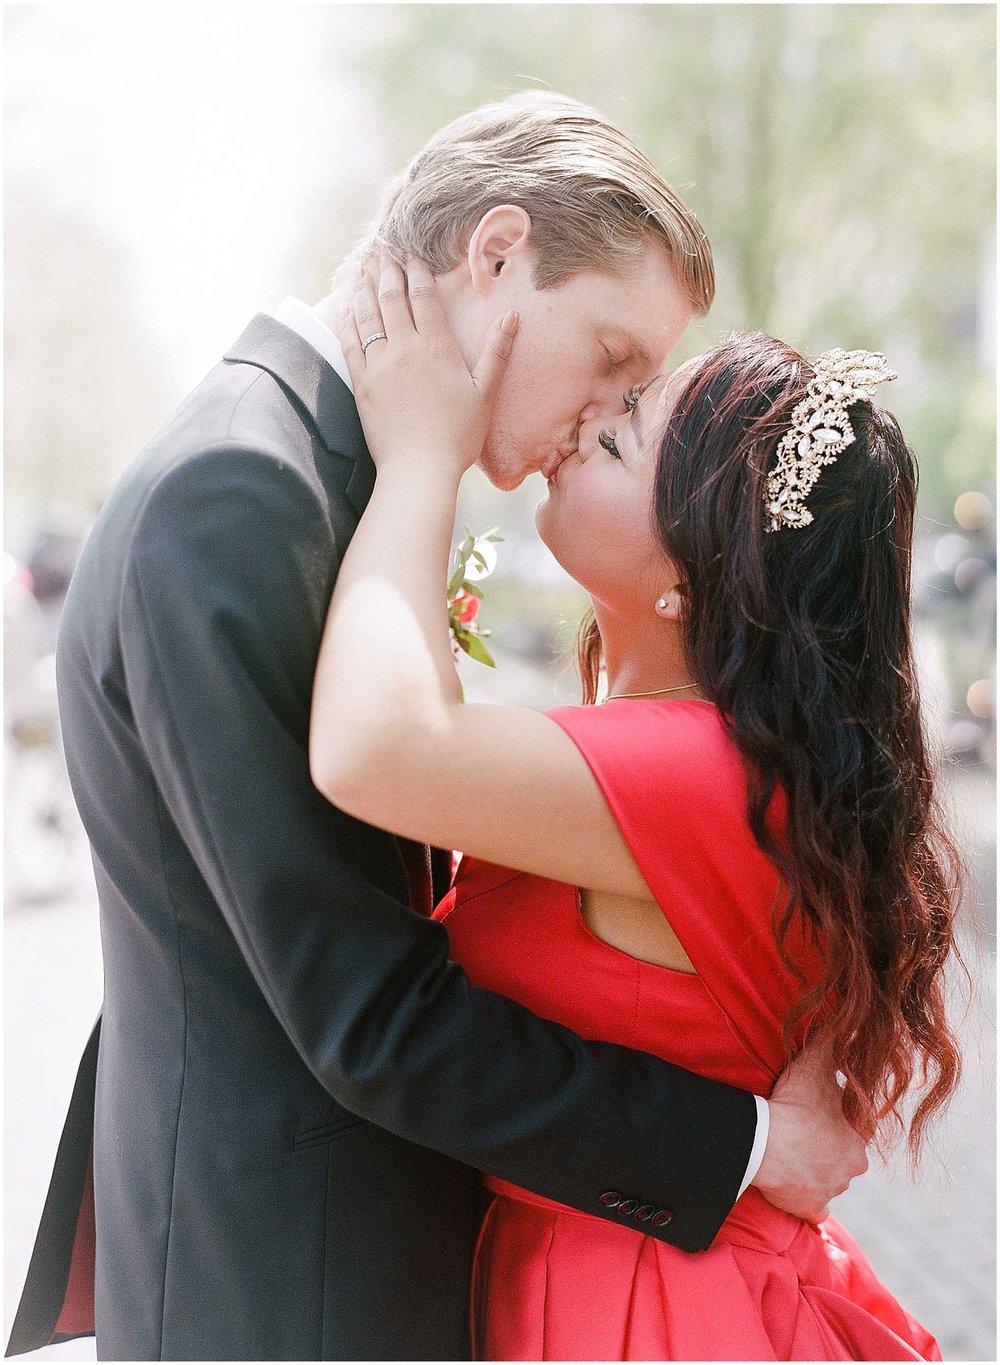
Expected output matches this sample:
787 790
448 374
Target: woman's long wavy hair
802 639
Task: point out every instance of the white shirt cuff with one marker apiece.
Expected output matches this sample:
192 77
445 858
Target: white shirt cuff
759 1142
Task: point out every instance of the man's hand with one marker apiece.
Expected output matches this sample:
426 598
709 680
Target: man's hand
812 1152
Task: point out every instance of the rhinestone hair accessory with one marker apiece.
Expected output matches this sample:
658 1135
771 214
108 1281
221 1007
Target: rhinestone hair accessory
820 430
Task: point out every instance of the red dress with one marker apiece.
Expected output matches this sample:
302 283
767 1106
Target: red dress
551 1283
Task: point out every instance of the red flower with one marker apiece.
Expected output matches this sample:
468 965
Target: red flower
465 607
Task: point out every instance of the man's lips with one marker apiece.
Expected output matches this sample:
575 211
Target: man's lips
551 466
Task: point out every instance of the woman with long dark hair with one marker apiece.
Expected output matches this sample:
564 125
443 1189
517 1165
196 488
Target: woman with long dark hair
735 852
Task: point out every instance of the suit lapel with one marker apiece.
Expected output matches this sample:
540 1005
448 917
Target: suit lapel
330 407
440 873
361 483
317 388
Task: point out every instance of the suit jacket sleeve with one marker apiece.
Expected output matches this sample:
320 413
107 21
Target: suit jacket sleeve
226 587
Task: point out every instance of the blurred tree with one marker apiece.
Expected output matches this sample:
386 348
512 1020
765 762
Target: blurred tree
84 388
841 158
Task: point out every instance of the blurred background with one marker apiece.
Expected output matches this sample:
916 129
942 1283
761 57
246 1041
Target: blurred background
172 169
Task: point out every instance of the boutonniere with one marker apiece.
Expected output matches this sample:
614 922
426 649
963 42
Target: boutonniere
474 559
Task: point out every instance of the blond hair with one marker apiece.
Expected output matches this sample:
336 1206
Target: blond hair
593 198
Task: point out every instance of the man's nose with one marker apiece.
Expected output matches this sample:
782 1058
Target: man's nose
606 405
603 407
587 435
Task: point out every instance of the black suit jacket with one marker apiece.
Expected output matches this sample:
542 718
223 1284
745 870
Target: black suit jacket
294 1086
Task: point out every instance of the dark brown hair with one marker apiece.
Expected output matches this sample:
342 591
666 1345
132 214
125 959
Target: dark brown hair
802 638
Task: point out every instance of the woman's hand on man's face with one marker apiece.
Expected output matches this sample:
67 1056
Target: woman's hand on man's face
416 396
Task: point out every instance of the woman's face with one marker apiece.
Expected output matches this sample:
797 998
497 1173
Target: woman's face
597 518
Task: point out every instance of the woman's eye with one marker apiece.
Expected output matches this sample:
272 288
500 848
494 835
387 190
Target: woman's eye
606 440
633 396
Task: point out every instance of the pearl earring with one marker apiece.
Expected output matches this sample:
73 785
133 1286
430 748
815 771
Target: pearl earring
661 602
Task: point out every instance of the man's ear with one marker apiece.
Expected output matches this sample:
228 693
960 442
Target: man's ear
500 247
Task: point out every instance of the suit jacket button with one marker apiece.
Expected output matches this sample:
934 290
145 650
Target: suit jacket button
629 1206
658 1220
645 1212
611 1199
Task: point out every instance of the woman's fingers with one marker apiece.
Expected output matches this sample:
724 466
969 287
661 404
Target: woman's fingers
395 310
425 305
495 355
350 344
367 313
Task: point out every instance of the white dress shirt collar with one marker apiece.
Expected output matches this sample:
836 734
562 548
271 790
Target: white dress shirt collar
301 319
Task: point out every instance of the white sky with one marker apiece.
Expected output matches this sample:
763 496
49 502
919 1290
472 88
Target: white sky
192 134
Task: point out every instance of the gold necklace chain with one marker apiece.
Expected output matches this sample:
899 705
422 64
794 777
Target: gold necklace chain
657 692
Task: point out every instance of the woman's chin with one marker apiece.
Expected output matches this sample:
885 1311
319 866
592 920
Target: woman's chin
547 534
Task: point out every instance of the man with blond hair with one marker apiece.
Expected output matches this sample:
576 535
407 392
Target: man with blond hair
293 1091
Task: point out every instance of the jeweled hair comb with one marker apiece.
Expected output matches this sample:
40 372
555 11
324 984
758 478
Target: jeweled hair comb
820 430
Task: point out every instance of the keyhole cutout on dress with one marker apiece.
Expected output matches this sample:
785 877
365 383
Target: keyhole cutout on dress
638 928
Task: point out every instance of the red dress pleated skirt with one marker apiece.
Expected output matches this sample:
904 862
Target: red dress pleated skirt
554 1284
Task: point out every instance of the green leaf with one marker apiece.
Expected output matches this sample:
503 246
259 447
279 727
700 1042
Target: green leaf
455 581
479 559
478 651
473 589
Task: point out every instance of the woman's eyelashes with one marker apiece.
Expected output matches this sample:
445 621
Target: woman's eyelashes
630 399
606 440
